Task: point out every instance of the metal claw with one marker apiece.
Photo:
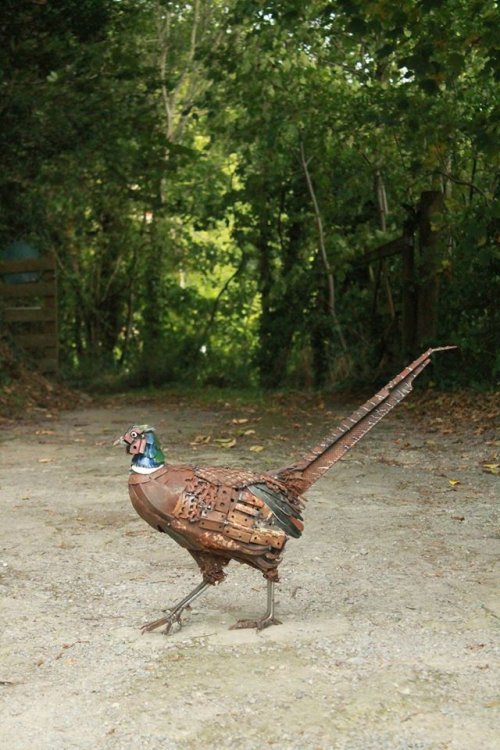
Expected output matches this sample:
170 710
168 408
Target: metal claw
267 618
175 613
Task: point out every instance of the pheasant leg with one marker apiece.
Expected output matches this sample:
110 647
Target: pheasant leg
175 613
267 619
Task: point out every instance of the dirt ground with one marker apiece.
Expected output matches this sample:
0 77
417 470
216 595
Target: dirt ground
389 601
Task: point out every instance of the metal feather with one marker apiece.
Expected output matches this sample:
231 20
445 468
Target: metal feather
335 445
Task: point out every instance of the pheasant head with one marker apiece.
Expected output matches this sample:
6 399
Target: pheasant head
142 444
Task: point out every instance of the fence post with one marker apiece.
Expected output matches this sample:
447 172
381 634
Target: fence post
431 205
29 307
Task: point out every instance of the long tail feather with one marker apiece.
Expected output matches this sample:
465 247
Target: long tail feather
335 445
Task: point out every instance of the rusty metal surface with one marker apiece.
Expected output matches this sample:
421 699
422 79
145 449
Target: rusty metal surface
211 517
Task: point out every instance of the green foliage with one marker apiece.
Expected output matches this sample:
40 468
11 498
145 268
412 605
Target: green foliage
163 151
471 289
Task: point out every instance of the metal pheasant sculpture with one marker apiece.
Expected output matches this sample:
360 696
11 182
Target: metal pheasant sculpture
220 514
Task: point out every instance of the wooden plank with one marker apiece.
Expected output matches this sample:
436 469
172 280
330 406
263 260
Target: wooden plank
22 309
50 300
29 314
37 289
394 247
48 364
47 263
35 340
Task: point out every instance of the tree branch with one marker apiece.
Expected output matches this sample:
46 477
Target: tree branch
322 249
163 34
222 291
465 183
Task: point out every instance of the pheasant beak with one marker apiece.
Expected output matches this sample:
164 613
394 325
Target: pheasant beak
134 442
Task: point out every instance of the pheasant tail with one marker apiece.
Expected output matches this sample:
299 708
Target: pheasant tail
334 446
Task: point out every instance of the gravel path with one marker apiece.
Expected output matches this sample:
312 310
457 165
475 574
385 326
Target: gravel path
389 601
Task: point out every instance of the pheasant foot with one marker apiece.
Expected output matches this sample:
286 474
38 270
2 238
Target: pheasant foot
175 617
175 613
266 620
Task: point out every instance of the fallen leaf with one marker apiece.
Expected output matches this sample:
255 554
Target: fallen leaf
256 448
244 420
226 442
491 468
453 482
201 440
45 460
249 432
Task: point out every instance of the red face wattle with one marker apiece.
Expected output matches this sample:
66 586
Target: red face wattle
135 441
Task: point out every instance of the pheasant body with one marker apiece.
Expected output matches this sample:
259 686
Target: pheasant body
214 512
219 514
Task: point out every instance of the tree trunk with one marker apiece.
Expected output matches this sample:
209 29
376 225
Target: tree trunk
322 250
152 331
409 296
282 298
431 204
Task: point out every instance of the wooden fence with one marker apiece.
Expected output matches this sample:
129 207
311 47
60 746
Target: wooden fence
418 249
28 307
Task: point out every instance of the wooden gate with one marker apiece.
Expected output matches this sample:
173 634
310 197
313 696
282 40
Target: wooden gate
421 258
28 307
